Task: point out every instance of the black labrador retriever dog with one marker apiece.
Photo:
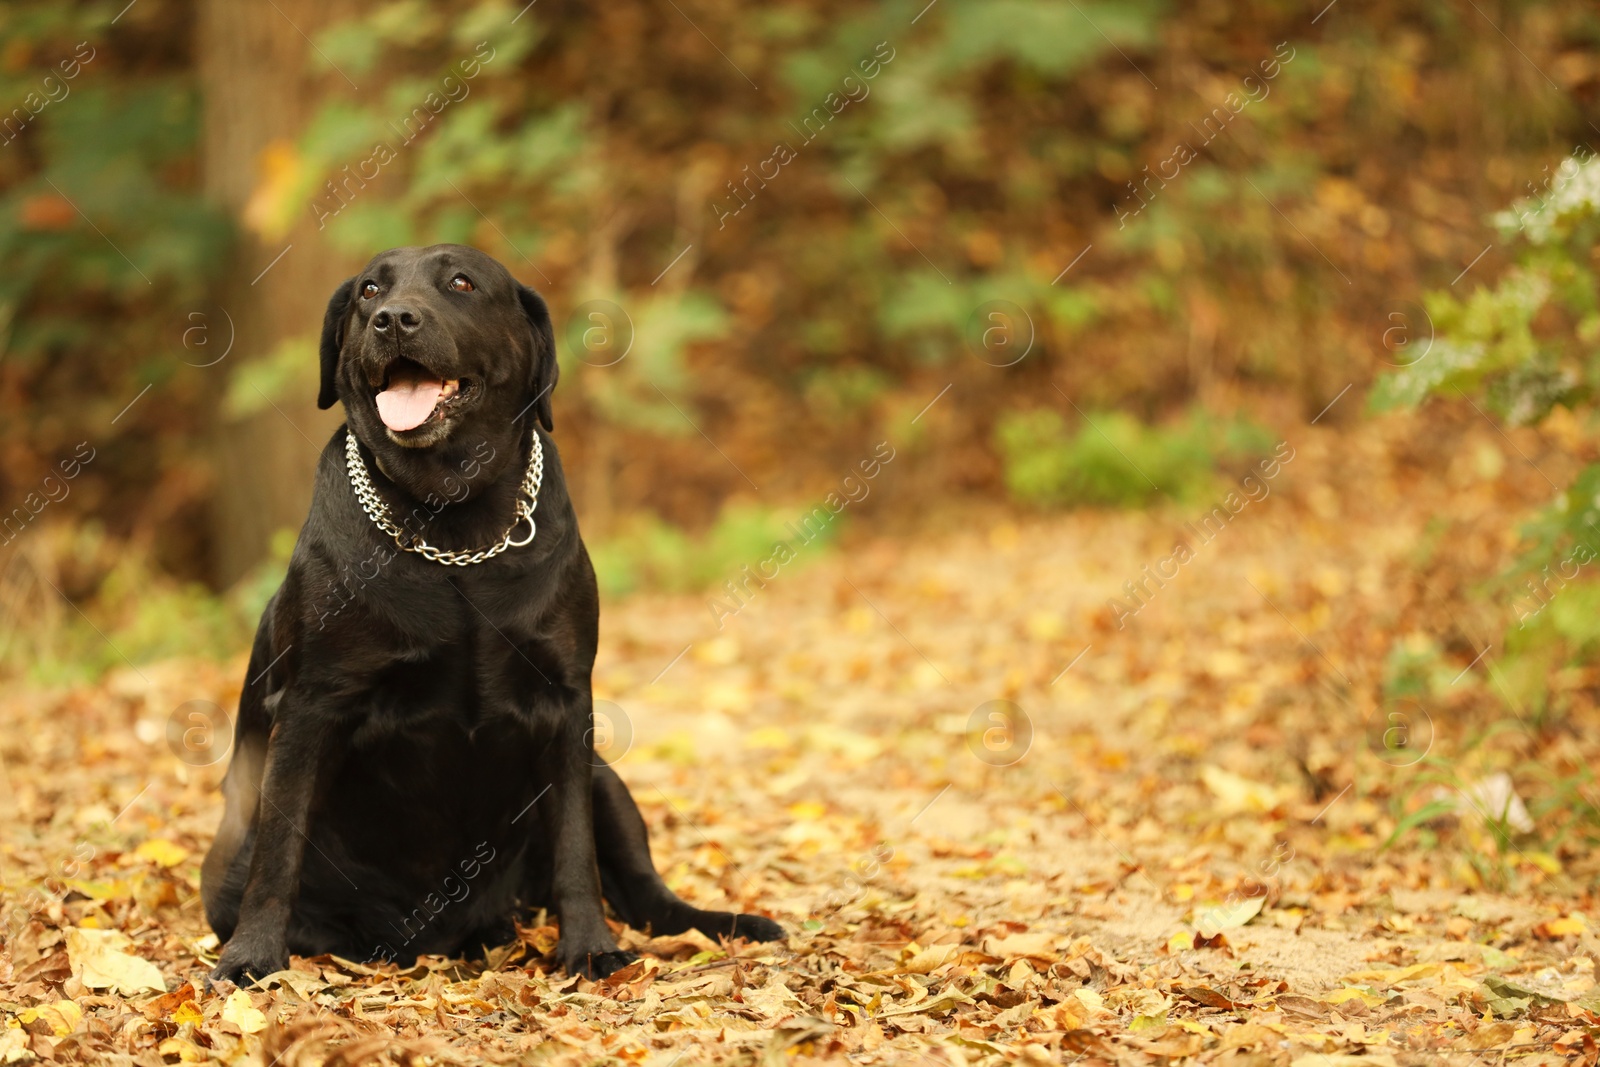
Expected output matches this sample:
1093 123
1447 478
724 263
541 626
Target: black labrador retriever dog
413 758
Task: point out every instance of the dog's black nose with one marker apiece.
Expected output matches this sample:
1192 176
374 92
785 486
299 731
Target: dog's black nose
401 319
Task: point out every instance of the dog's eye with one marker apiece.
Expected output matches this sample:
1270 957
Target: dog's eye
369 290
461 284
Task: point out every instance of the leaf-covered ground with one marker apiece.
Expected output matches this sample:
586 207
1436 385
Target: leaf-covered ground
1164 843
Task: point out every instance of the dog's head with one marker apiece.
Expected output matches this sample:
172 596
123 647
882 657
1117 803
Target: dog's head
427 344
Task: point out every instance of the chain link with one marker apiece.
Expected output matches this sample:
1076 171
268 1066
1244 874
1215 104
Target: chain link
378 511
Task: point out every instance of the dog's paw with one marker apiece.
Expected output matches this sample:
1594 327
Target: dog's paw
715 924
757 928
596 965
242 963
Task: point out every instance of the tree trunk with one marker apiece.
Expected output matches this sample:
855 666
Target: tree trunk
258 91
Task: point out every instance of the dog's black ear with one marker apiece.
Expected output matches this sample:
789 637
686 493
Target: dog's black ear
545 368
333 341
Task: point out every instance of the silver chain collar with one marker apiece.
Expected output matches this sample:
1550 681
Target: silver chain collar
378 511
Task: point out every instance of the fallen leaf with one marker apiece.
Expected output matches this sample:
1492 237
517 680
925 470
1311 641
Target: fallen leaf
1210 998
945 1001
1140 1023
1572 925
1227 916
1249 1035
162 852
239 1011
1301 1005
99 962
1036 946
1396 975
1093 1002
1236 794
1349 993
1491 1035
62 1017
185 1051
926 960
167 1003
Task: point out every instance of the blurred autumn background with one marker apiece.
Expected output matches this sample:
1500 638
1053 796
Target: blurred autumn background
983 203
211 171
1085 266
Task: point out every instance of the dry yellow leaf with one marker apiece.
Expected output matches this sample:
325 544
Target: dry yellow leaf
1034 946
1349 993
101 891
62 1017
1229 915
807 810
1395 975
1544 861
162 852
926 960
769 737
1491 1035
1236 793
99 962
239 1011
1555 929
186 1051
1070 1016
1091 1001
14 1043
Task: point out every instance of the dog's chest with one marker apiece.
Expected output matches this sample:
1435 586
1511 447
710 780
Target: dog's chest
462 673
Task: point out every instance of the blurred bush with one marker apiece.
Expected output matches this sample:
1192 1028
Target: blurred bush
1112 459
647 553
1522 351
1527 348
74 604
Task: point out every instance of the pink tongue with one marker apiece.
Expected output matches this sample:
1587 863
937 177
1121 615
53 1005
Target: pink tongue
405 405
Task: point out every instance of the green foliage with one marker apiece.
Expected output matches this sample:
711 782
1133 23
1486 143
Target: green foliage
1415 669
101 218
138 615
651 554
256 385
931 313
1440 799
108 247
1519 349
1526 345
1488 345
1045 37
488 155
646 388
1522 347
1113 459
1485 345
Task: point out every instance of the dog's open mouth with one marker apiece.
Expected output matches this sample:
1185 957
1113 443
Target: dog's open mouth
413 395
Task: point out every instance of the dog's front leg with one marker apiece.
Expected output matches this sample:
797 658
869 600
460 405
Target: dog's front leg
586 945
302 745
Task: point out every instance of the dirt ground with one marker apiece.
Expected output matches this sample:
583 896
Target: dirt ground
1002 818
